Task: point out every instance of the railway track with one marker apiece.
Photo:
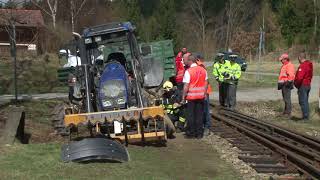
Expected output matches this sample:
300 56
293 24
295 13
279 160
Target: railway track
269 148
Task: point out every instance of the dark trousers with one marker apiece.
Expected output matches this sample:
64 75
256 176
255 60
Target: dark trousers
180 86
286 95
303 94
195 109
222 93
231 90
180 89
206 117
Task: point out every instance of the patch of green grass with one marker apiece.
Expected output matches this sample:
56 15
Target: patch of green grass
42 161
247 80
40 110
251 81
274 67
181 159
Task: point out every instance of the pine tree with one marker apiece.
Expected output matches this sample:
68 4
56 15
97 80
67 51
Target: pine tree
131 10
166 20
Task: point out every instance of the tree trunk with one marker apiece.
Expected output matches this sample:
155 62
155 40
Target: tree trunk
315 18
54 21
203 36
227 36
228 26
72 11
72 22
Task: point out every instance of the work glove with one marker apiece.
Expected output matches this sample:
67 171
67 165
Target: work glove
233 78
280 85
176 105
227 75
289 84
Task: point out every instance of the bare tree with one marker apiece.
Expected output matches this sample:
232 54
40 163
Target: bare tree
53 7
202 20
75 11
10 20
315 4
237 12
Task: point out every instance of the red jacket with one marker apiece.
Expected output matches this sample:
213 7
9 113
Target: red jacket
304 74
179 68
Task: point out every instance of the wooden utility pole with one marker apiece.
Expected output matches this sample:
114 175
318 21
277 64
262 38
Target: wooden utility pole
315 4
12 35
260 52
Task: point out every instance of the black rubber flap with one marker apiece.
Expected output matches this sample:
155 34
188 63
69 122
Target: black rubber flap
93 150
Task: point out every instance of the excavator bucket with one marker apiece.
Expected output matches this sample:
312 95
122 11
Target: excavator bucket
94 149
134 125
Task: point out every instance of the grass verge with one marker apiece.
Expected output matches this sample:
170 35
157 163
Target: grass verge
271 111
180 159
274 67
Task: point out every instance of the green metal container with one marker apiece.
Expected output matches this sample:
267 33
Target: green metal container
162 51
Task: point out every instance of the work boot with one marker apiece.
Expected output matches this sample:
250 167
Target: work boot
206 132
286 115
199 136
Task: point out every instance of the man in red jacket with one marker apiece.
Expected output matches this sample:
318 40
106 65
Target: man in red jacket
180 68
302 82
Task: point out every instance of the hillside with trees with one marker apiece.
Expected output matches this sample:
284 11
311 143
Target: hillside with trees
201 25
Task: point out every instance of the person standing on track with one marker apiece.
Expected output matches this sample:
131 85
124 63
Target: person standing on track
231 77
302 82
194 91
285 82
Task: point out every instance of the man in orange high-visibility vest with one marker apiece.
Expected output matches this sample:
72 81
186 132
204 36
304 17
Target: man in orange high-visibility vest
194 91
285 82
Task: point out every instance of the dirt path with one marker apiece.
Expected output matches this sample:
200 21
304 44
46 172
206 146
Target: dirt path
193 159
267 94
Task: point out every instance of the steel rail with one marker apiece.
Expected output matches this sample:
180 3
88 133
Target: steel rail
298 161
316 142
305 152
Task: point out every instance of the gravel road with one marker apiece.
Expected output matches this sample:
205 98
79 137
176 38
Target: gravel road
267 94
248 95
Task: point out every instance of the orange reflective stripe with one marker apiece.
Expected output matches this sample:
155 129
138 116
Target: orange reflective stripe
197 89
196 94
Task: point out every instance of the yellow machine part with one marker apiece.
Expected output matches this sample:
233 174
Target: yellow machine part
119 115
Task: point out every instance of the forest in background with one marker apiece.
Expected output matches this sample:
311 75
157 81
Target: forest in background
200 25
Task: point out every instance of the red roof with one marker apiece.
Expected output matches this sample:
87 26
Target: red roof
22 17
